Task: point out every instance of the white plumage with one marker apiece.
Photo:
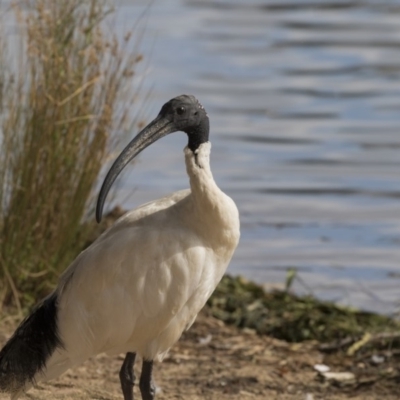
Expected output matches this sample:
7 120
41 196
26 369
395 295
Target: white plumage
149 274
143 281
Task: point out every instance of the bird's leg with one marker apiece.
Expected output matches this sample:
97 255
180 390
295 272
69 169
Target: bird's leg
147 387
127 377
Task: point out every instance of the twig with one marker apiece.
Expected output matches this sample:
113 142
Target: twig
360 343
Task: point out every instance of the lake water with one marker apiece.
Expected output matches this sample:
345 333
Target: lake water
304 102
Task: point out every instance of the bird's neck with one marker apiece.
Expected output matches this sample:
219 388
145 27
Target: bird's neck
209 201
211 212
198 168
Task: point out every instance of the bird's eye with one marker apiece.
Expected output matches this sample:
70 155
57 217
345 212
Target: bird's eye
180 110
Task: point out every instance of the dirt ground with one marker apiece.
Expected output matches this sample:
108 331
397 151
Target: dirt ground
215 361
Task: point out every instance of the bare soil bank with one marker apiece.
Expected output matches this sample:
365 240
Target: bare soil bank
216 361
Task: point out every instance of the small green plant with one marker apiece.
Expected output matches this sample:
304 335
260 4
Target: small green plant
63 92
292 318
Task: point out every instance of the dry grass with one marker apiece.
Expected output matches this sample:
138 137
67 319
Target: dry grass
63 92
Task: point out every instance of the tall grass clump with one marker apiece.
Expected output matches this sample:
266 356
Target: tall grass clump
64 89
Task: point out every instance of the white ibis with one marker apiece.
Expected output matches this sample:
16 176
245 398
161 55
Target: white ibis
143 281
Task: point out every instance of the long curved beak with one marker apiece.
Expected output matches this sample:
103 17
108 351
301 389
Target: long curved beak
155 130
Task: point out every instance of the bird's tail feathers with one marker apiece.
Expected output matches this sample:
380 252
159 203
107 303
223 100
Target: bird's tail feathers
27 351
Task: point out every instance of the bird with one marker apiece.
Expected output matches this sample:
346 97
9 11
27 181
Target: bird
141 284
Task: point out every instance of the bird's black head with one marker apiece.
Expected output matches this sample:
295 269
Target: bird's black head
189 116
183 113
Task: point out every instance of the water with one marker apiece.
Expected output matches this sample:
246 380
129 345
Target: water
304 102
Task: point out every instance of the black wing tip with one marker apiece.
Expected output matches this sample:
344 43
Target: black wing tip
27 351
